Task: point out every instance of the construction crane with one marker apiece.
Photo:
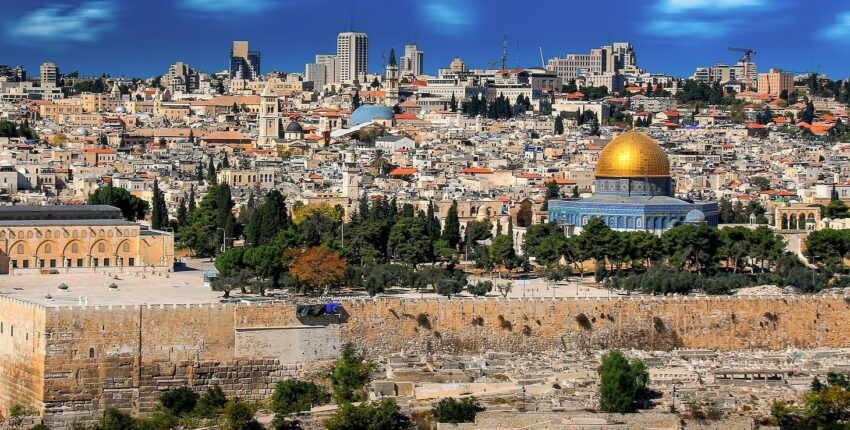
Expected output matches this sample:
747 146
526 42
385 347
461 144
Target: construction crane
542 61
747 60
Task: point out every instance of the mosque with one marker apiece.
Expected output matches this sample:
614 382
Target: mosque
633 191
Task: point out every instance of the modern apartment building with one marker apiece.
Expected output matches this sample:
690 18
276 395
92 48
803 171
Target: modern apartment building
244 64
412 61
724 73
352 55
49 74
609 59
775 81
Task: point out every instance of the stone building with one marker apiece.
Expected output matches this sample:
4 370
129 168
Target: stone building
67 239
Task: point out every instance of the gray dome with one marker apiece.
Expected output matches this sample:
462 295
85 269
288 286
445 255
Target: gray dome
83 131
367 113
294 127
121 109
695 217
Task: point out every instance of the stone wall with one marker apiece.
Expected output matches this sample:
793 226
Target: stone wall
91 358
21 354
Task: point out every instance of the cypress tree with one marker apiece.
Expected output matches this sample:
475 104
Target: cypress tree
559 125
159 211
211 177
451 230
191 205
182 213
453 103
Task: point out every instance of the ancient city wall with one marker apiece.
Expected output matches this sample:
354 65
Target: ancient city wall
91 358
21 354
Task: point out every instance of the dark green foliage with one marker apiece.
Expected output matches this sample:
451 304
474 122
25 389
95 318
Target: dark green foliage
559 125
132 207
10 129
408 241
179 401
385 415
622 382
451 229
449 286
39 427
292 396
201 233
350 375
355 100
825 407
211 402
114 419
480 288
502 252
159 210
701 92
553 191
450 410
268 220
239 415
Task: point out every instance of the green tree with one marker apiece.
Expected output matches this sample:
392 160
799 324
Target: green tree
836 209
239 415
292 396
452 411
478 230
385 415
268 220
559 125
448 286
211 174
132 207
692 246
350 375
182 213
453 103
480 288
179 401
451 229
355 100
159 210
211 402
408 241
621 382
502 252
553 191
760 182
828 247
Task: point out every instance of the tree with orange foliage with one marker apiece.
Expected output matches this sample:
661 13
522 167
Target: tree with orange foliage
315 267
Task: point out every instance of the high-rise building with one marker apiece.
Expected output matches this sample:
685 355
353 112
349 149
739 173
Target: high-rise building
775 82
49 74
457 66
331 67
352 53
411 62
315 73
244 64
391 81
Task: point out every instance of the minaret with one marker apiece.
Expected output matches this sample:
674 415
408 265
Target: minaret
391 84
350 177
269 116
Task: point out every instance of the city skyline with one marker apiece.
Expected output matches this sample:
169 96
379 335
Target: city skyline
75 35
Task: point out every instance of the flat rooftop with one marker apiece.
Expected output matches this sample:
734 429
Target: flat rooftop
183 287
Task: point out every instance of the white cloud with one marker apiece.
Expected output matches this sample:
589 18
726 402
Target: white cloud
702 19
708 6
839 30
61 24
447 16
228 7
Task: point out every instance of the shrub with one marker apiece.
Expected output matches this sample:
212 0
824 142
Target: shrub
621 383
452 411
385 415
114 419
211 402
239 415
179 401
350 375
480 288
505 324
291 396
423 321
584 322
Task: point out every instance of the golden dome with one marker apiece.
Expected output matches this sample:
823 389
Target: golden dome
632 154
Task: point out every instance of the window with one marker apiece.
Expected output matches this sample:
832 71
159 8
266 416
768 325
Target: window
47 248
14 264
26 264
101 247
131 261
75 248
20 248
106 262
52 262
94 262
67 262
40 262
126 247
79 262
91 352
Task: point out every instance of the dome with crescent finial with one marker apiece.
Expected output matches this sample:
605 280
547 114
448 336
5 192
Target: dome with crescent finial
633 155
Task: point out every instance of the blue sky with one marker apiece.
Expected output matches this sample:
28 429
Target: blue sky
141 38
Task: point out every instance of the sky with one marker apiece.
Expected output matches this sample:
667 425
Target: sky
141 38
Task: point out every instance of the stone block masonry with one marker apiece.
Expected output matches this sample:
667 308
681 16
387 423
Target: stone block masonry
72 363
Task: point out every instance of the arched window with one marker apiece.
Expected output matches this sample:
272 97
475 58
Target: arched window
101 247
85 234
49 234
109 233
29 235
126 247
47 248
75 248
91 352
20 248
75 234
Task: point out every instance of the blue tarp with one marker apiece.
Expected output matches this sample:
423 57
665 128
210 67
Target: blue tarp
332 308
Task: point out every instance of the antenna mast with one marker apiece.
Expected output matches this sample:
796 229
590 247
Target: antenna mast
505 51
